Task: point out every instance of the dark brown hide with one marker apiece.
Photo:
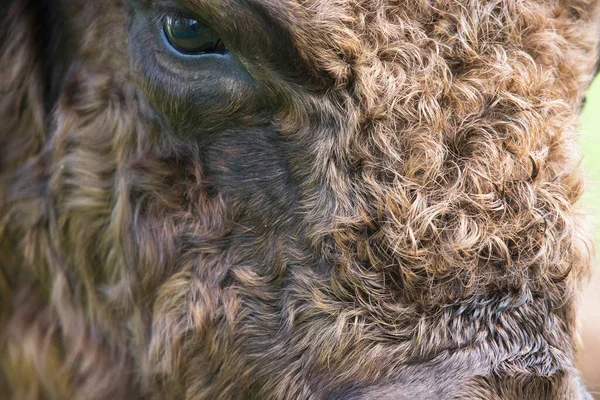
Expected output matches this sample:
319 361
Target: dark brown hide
365 199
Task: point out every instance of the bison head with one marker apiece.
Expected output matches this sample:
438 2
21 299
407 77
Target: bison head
292 199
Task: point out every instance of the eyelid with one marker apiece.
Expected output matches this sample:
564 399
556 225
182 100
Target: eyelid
162 11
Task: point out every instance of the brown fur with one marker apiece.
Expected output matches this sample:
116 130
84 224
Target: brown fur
388 211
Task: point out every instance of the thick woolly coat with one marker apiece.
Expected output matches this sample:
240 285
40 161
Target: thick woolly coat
388 210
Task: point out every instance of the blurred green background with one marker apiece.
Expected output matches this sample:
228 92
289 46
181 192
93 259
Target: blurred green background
590 303
590 141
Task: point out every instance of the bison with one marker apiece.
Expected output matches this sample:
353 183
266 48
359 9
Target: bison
292 199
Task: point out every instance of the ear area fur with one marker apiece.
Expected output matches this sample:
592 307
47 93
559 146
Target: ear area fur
33 61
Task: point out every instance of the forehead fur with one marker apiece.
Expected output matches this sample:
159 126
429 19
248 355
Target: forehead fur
457 153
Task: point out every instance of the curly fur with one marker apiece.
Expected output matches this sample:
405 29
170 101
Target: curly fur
399 223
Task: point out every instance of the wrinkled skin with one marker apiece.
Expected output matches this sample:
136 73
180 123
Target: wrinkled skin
364 199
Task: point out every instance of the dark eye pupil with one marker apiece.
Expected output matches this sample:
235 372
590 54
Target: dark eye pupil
189 36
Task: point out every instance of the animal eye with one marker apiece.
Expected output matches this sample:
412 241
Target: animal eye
189 36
